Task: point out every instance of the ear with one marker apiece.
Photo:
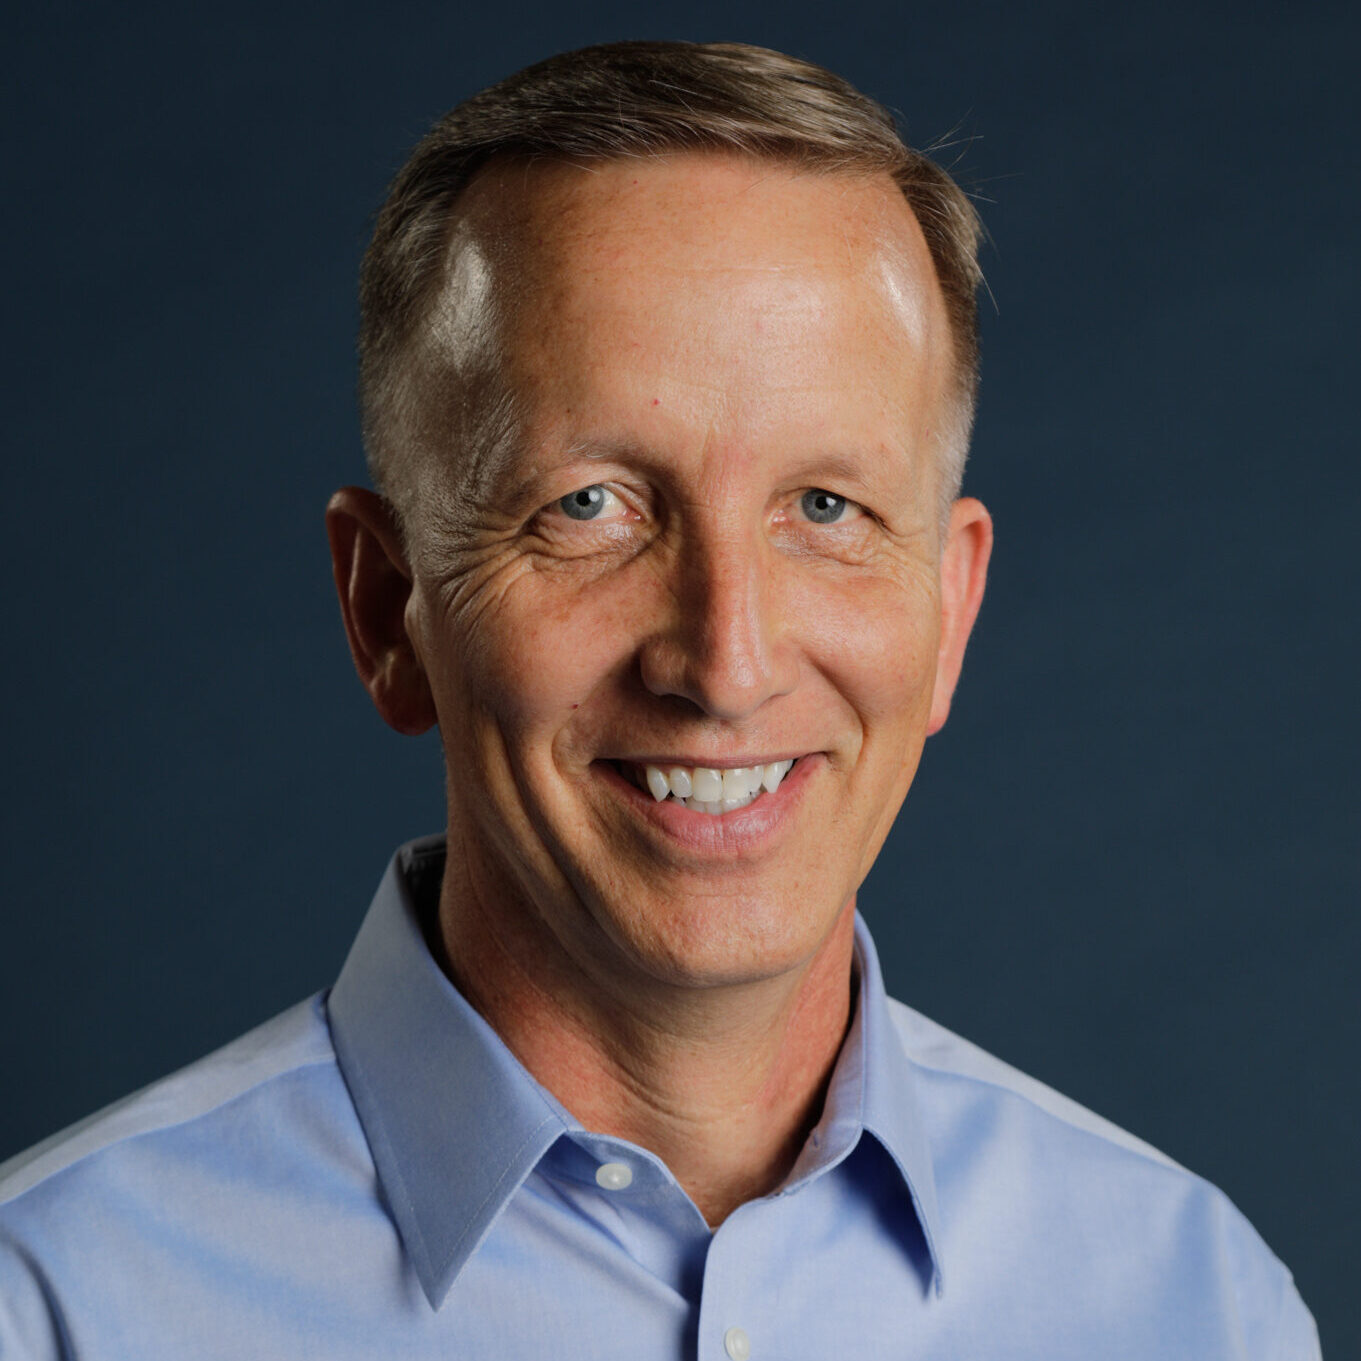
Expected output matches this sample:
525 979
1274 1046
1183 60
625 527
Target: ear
963 574
373 580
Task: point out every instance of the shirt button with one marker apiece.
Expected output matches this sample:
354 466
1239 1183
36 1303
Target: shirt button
613 1176
737 1344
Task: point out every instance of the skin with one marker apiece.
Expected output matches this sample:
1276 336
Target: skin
708 338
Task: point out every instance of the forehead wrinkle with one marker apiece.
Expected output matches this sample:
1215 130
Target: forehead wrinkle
719 417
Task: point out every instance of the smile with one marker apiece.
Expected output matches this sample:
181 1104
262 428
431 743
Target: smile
708 789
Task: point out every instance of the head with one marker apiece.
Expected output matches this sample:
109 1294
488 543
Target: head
668 363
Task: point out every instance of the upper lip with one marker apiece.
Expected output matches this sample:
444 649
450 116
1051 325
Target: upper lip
709 762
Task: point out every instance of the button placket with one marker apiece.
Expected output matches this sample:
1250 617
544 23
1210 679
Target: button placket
731 1315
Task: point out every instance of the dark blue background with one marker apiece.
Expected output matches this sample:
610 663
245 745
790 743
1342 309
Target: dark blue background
1130 862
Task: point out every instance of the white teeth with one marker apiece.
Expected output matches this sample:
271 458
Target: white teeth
708 790
774 773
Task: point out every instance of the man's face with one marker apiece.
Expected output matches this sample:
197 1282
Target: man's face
708 538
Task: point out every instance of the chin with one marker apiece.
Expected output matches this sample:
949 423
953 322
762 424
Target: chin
723 941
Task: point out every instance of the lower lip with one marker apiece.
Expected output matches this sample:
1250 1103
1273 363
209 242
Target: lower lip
739 833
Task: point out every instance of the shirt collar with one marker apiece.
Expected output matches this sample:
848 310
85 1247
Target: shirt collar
456 1123
890 1108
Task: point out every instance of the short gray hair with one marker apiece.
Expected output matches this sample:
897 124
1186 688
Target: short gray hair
639 99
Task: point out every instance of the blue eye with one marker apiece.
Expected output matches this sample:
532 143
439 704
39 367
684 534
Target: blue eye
585 504
822 507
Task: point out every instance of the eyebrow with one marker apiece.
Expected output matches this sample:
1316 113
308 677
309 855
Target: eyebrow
855 471
578 449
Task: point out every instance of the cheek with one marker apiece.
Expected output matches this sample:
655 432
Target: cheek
876 640
543 649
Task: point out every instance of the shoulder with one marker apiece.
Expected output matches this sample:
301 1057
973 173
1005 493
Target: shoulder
179 1194
293 1042
934 1049
1115 1206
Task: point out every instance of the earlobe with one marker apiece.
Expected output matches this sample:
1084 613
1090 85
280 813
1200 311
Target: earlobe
963 575
374 583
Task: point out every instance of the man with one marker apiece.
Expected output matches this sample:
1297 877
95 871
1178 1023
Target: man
668 370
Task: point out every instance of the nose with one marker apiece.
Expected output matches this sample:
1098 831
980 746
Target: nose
724 646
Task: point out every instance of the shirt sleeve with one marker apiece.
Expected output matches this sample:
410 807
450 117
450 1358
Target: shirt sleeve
31 1327
1297 1335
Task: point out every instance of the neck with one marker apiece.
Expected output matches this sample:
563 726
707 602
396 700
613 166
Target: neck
723 1083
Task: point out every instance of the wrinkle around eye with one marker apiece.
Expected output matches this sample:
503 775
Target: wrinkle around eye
553 531
477 582
855 541
560 539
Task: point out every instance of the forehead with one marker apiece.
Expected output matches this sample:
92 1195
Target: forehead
720 283
585 213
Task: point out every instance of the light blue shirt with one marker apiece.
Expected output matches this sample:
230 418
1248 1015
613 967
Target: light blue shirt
373 1174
